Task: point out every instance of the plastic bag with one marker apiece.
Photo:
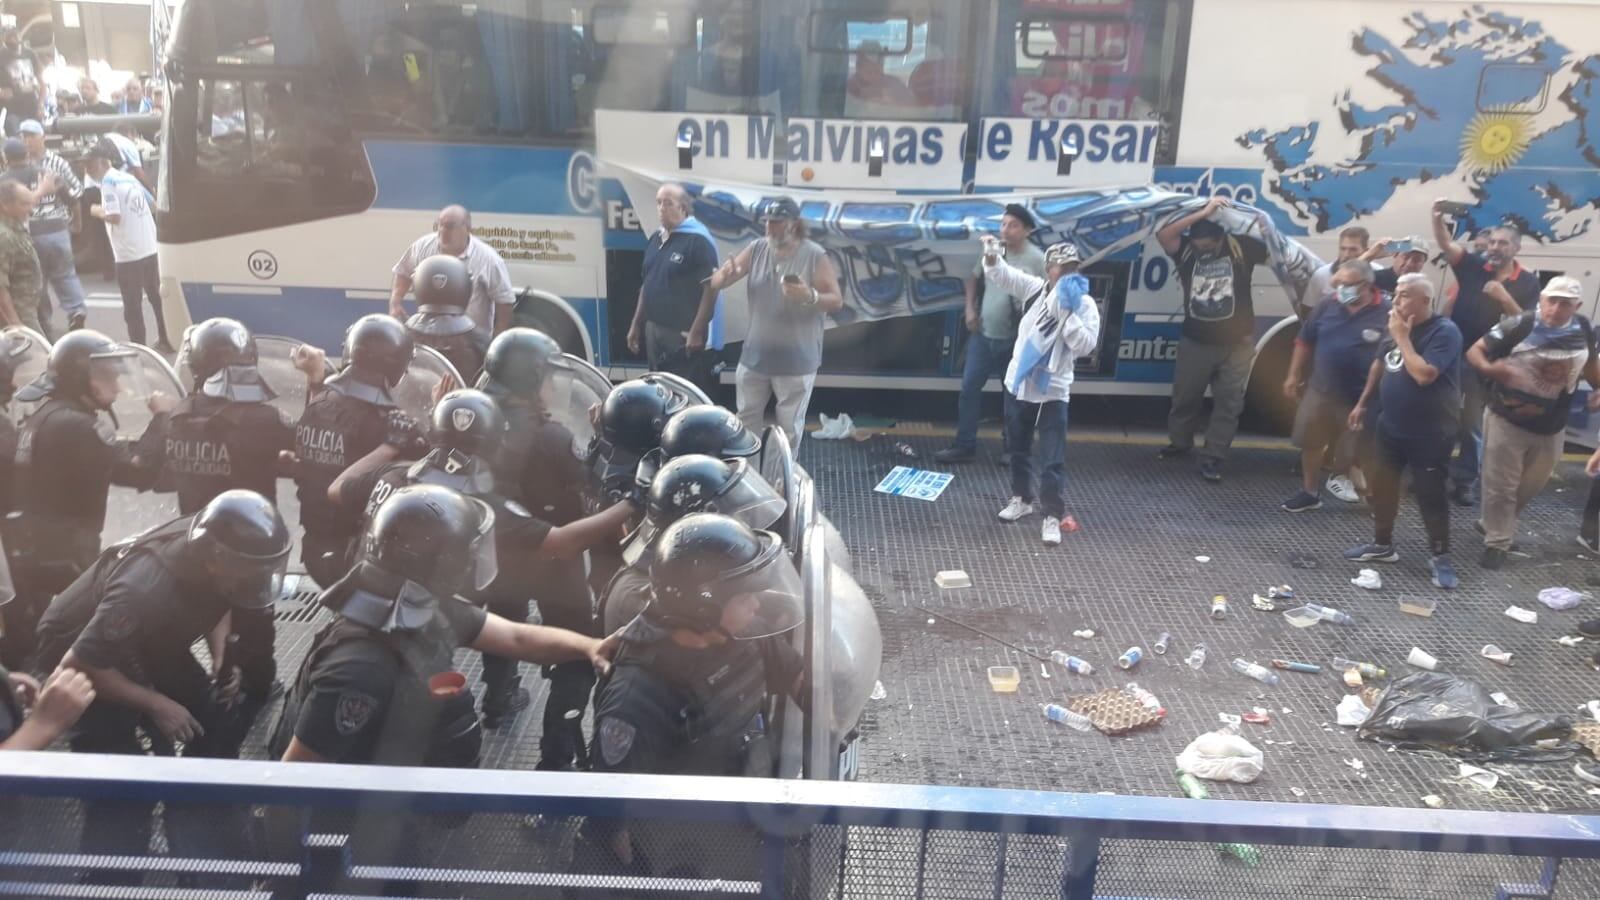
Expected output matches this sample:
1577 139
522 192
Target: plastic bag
1563 597
1351 711
834 429
1436 711
1221 756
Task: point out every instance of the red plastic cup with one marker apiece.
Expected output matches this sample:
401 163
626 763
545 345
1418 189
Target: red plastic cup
447 684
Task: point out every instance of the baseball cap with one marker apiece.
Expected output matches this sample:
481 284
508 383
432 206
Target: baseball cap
1564 286
1061 253
781 208
30 126
1420 245
1020 213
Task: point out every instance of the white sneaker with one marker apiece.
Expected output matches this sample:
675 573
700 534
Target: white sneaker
1341 488
1015 510
1051 532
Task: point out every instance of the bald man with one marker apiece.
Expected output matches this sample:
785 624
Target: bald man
671 322
492 296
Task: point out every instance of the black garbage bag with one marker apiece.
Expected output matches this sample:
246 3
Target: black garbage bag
1435 711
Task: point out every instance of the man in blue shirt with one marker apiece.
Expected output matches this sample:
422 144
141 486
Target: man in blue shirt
673 317
1417 384
1340 339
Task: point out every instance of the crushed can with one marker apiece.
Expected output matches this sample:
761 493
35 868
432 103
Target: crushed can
1130 657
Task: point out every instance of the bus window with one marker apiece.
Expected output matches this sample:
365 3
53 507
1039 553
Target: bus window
898 61
1089 59
696 57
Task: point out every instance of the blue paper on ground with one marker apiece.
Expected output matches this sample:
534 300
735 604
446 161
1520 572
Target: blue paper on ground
903 481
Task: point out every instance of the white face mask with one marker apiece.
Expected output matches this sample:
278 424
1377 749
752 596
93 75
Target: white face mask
1348 294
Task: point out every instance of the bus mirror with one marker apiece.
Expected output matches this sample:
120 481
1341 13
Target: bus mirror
875 157
685 151
1069 152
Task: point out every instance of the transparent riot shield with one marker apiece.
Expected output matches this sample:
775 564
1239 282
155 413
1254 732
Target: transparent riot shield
425 382
131 410
30 358
571 394
777 466
275 361
854 657
681 386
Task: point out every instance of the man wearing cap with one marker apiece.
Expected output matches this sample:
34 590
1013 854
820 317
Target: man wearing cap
1216 348
20 279
992 328
793 287
1531 365
51 225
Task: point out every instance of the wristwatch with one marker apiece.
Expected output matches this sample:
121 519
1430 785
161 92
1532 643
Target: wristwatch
813 300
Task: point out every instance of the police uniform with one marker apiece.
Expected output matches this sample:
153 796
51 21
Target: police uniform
212 444
626 595
335 430
464 351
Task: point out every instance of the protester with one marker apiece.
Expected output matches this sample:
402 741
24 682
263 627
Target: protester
1489 285
1061 322
1532 363
493 300
792 290
1417 381
1354 243
92 105
125 207
51 227
20 81
1411 254
672 320
1215 350
133 98
992 328
20 280
1339 339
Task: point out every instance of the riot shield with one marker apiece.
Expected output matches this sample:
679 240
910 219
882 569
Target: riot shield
30 358
681 386
275 361
854 656
131 410
777 466
421 385
571 394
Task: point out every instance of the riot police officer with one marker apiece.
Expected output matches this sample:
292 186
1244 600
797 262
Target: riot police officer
352 414
67 458
711 430
378 684
466 434
687 484
539 469
128 623
630 422
443 286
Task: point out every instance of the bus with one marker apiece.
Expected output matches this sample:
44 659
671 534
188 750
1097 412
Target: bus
307 143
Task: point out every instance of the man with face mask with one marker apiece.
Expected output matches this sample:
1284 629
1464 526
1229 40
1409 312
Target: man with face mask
1217 347
1339 340
1489 284
1532 364
1353 244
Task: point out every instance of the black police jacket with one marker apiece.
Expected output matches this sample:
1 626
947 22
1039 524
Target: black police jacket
464 351
538 469
334 431
211 445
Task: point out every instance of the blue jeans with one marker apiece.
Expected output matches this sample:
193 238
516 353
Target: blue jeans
1469 435
1050 421
60 273
986 358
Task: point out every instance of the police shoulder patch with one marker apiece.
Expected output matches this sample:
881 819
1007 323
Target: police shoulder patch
353 712
616 739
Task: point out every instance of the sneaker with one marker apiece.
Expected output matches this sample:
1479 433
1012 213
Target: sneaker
1493 558
1342 489
1210 472
1173 451
1051 532
504 707
1301 502
1590 544
1589 628
1383 553
1514 548
955 455
1016 509
75 322
1444 574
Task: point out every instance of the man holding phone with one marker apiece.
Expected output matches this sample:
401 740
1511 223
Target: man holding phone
1489 286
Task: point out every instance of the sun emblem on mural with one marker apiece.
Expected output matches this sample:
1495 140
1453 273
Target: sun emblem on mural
1494 140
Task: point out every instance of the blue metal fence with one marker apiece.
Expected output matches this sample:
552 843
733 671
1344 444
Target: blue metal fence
764 838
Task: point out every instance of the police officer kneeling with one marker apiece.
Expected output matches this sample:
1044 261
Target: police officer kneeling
128 623
378 685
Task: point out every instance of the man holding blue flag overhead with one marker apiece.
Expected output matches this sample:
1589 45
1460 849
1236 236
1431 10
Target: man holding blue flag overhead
1060 323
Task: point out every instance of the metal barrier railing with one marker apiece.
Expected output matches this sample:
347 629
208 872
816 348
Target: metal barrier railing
347 831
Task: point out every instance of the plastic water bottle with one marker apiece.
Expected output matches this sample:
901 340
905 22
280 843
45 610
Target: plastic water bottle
1160 646
1367 670
1197 657
1073 664
1329 614
1258 672
1055 712
1146 699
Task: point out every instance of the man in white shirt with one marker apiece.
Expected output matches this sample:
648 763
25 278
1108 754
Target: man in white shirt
125 207
1061 322
492 300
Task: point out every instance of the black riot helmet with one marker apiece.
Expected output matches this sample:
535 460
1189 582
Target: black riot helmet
464 438
377 351
434 537
634 413
518 363
244 546
711 430
699 483
87 366
442 287
221 356
714 573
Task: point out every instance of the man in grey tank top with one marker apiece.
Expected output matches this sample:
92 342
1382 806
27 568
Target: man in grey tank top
792 289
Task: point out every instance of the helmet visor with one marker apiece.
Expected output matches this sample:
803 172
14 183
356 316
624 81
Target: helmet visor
117 374
485 564
248 582
747 498
764 600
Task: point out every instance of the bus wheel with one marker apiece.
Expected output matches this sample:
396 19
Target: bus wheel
1266 409
541 311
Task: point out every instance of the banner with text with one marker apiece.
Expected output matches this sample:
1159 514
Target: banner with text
1022 153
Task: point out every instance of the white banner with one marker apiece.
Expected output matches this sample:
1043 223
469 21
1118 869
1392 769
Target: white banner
734 148
834 153
1022 153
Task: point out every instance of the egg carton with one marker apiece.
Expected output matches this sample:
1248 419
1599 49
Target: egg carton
1114 711
1588 734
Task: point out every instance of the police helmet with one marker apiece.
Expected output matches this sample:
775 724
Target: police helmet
221 356
518 363
441 284
84 359
433 536
711 430
378 350
633 414
245 545
714 573
468 421
699 483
